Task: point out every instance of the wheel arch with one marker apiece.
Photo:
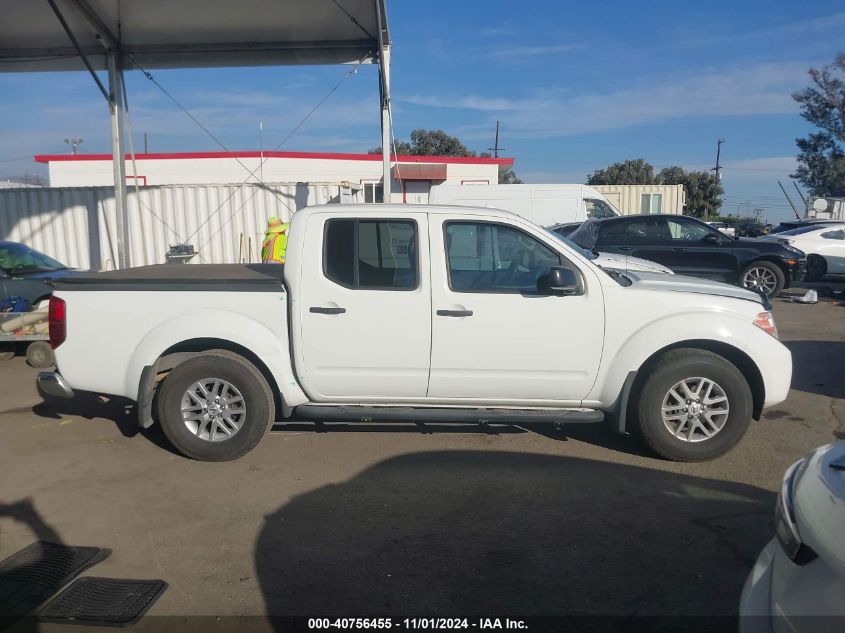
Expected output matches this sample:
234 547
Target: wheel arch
177 353
740 359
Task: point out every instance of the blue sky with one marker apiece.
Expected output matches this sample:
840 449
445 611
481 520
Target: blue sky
576 86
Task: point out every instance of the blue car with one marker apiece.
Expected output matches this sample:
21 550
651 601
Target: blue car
24 272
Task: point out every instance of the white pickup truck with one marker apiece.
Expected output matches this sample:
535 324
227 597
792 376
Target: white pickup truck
419 313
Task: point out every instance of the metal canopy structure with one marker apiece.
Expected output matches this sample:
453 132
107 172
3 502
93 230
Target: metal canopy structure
118 35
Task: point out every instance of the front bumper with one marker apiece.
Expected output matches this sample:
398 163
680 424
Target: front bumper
51 383
796 271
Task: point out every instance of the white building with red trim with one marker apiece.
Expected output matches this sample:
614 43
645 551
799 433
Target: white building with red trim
412 176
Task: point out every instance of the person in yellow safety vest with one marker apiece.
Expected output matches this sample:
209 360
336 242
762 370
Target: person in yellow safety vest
275 243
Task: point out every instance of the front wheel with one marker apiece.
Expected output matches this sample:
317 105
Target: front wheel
765 278
695 405
215 407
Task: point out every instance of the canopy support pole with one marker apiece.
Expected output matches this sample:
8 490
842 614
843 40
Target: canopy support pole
384 90
117 111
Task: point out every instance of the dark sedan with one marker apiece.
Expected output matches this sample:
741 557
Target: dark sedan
690 247
24 272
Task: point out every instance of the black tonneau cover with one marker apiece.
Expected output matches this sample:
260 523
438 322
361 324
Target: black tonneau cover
182 277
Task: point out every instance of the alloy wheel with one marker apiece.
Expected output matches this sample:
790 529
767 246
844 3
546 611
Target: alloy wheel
695 409
760 279
213 409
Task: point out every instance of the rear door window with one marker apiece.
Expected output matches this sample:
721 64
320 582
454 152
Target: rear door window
371 254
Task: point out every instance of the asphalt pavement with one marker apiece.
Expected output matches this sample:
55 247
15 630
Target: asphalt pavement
404 519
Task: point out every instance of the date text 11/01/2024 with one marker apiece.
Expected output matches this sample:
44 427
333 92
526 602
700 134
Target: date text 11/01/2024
416 623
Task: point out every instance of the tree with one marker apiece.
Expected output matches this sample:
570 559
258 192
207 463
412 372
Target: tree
438 143
704 191
821 155
631 172
430 143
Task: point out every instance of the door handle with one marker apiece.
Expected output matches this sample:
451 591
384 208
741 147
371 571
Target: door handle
626 248
680 250
320 310
454 313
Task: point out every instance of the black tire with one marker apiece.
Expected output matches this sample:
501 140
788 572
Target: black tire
780 278
240 373
816 268
7 351
669 370
40 355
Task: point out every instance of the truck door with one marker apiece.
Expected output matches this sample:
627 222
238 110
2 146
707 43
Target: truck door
494 337
364 307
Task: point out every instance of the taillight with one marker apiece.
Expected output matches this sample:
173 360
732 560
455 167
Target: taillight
58 323
766 322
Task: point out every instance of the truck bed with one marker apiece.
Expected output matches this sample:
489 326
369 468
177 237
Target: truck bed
181 277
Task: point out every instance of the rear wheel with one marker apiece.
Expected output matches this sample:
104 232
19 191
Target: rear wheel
765 278
694 406
7 351
816 268
215 406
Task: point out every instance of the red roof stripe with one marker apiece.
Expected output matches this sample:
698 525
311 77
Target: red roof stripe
48 158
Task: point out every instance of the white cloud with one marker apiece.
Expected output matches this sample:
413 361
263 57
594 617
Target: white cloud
757 89
508 52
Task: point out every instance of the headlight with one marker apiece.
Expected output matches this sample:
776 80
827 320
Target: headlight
785 526
766 322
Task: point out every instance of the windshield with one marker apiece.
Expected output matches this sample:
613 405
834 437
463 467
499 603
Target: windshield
806 229
586 235
599 209
585 252
17 258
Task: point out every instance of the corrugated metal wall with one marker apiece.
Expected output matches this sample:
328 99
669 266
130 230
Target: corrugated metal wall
628 198
76 225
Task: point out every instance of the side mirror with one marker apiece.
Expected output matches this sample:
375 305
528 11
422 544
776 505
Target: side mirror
710 238
560 280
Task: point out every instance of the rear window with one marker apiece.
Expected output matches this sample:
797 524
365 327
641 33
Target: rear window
371 254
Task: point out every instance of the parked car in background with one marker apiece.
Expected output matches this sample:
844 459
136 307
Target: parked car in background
689 247
545 205
420 313
798 581
751 229
788 225
24 272
723 227
614 261
824 245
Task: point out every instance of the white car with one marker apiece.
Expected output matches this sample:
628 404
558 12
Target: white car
824 245
798 583
420 313
615 261
724 227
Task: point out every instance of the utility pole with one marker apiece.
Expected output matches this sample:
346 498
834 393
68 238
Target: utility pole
146 150
718 168
74 143
496 149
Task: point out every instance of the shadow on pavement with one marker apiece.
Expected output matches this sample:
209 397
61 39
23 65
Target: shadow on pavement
466 533
815 366
597 434
90 406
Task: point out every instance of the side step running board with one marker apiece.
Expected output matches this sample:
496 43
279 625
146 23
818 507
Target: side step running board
340 413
